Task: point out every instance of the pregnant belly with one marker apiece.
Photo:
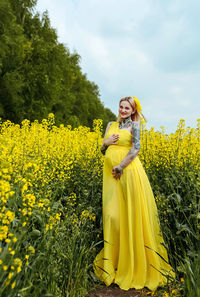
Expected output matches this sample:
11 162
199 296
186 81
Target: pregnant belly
115 154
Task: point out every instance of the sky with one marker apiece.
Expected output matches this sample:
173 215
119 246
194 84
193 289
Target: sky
148 48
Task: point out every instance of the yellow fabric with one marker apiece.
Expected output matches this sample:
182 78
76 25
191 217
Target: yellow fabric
129 223
139 107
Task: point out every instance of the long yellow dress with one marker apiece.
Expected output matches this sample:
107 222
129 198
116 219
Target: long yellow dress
130 222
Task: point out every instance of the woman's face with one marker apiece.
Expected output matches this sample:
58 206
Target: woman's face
125 109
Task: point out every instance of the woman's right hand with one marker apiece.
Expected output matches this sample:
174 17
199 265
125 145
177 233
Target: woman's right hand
112 139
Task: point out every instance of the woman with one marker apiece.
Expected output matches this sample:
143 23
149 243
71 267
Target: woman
131 227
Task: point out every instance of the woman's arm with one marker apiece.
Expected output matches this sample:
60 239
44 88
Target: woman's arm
135 148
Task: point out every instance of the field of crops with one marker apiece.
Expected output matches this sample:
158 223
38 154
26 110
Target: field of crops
50 207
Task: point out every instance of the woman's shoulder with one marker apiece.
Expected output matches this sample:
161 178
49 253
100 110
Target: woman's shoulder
108 126
136 122
110 123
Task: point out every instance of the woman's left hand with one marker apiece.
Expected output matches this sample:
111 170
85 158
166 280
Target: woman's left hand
117 174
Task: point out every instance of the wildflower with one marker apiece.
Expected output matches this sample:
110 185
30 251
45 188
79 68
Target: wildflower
13 285
30 199
31 249
9 217
18 263
7 282
24 212
19 269
10 275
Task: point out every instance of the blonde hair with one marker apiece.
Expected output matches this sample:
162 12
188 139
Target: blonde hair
135 116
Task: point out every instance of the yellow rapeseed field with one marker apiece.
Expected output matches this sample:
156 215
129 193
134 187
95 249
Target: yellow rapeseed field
35 156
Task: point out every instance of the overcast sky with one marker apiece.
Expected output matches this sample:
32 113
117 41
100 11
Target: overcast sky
148 48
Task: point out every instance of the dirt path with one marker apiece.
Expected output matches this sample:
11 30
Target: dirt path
115 291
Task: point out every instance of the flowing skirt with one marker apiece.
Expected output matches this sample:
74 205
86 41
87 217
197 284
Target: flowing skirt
131 228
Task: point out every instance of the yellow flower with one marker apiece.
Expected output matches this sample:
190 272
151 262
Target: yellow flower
3 232
10 275
10 215
7 282
19 269
13 285
18 261
24 212
31 249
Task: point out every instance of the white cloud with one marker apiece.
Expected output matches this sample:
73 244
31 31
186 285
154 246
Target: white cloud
148 49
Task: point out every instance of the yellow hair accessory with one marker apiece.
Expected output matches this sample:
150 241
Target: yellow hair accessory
139 107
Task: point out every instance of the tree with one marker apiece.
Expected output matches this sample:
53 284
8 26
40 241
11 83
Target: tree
11 48
39 75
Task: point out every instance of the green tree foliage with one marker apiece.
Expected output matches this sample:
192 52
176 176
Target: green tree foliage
39 75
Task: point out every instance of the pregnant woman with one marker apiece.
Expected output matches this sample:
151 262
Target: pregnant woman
132 235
